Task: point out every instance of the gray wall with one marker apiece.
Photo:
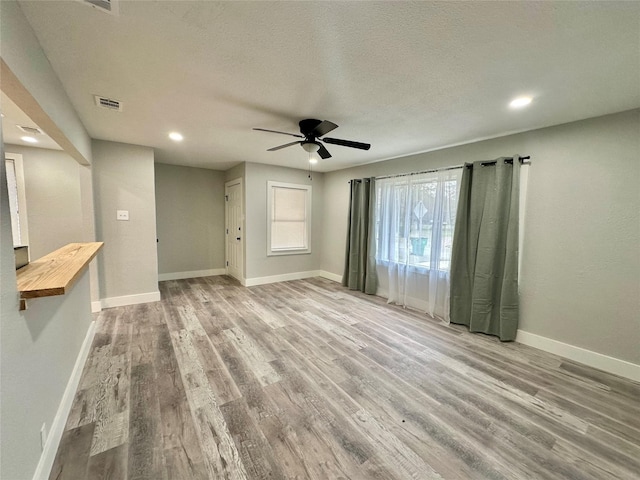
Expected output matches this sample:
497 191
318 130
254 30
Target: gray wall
54 205
123 179
258 264
581 257
38 349
190 218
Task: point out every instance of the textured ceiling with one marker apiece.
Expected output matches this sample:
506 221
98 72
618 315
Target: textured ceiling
405 77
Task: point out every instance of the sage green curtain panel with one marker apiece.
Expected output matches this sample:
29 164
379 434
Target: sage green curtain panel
360 258
484 260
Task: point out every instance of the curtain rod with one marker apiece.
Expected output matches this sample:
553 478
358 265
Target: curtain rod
492 162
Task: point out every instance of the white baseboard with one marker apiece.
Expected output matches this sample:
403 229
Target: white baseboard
130 299
96 306
285 277
330 276
582 355
250 282
57 426
194 274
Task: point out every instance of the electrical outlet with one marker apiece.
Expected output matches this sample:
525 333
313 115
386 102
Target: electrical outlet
122 215
43 436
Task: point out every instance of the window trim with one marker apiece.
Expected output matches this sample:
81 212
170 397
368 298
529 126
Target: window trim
271 186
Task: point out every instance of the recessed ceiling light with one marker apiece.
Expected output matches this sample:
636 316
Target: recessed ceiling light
520 102
176 137
29 139
313 161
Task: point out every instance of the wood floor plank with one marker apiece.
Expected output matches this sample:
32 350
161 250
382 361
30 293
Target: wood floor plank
253 355
216 371
220 454
421 413
180 465
145 456
181 446
319 454
109 464
255 451
112 406
307 380
82 410
73 454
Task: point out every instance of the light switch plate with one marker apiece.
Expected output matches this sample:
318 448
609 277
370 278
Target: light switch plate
122 214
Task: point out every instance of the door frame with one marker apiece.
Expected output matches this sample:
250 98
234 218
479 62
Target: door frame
16 158
227 185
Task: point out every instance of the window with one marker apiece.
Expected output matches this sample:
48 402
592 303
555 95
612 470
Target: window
288 218
415 219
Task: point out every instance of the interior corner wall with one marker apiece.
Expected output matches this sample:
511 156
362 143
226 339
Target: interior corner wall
89 224
123 179
38 351
190 219
258 264
21 52
580 273
235 172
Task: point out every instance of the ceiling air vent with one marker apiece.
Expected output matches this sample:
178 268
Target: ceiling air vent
108 103
107 6
30 130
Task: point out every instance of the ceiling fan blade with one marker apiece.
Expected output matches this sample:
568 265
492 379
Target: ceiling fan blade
347 143
282 146
323 128
275 131
323 152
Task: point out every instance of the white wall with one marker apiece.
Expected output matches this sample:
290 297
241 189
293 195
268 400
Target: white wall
258 264
38 350
54 205
123 179
190 219
580 278
38 90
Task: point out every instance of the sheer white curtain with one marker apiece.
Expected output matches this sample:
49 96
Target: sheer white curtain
415 218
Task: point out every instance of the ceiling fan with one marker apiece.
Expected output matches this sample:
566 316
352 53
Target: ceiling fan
311 130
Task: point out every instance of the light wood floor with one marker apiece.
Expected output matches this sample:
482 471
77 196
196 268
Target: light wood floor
305 379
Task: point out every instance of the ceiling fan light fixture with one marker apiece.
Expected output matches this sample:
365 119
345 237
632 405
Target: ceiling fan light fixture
310 147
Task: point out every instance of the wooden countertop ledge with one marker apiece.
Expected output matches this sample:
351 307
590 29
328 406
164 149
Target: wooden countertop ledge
55 273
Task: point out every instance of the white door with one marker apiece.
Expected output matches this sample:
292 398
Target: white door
234 230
